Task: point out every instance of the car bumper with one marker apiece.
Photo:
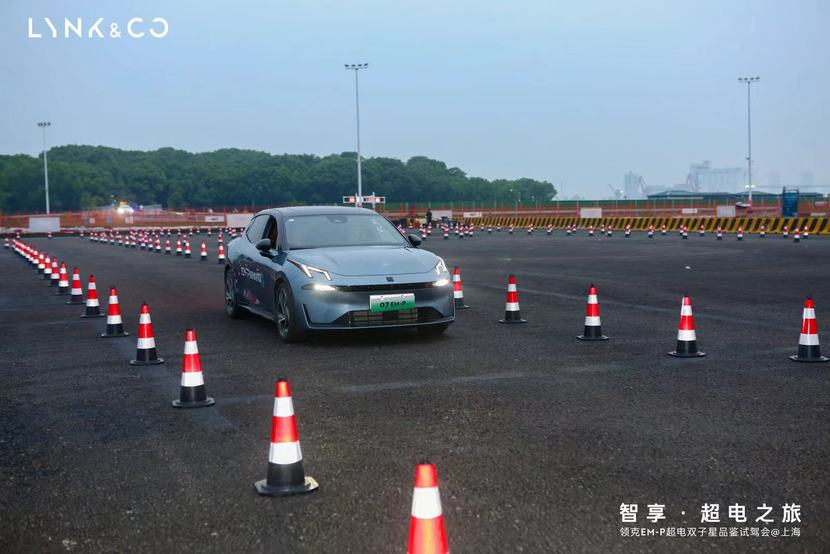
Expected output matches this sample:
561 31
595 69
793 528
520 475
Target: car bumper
348 307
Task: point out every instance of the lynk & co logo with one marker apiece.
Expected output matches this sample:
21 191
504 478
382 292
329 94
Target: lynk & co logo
79 28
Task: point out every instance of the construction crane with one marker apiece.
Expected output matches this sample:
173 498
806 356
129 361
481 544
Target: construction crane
618 194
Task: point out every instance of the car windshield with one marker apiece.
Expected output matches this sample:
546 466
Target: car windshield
325 230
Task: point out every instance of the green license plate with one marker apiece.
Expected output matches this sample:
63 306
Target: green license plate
391 302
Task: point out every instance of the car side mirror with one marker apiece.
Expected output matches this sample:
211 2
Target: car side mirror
414 240
263 245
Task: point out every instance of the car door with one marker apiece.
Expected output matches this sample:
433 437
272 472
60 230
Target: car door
270 263
250 276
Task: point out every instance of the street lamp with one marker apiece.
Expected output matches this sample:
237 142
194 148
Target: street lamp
43 125
749 81
356 68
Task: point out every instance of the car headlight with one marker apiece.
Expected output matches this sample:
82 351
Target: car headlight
319 287
311 270
441 268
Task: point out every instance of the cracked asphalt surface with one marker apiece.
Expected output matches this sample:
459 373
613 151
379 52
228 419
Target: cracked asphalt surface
538 437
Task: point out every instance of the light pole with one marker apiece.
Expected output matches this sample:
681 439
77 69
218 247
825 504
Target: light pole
749 81
43 125
356 68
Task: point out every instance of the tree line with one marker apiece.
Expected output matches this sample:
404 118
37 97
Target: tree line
82 177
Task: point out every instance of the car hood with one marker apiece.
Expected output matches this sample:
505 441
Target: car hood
367 260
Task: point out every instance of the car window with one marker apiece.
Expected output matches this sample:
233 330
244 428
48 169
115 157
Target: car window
271 231
256 228
316 231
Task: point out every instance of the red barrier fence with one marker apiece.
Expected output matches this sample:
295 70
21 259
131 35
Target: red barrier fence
220 217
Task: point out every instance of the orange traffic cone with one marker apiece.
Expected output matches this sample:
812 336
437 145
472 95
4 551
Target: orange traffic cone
146 347
427 534
92 306
458 289
808 346
115 327
285 459
512 313
686 337
593 326
76 293
192 392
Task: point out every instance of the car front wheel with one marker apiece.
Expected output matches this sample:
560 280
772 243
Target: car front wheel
289 327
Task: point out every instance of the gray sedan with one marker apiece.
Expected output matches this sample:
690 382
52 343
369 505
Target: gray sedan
321 267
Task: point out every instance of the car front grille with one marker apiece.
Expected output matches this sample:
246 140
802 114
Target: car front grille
383 287
365 318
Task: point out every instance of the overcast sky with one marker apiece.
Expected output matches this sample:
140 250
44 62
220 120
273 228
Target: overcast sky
577 93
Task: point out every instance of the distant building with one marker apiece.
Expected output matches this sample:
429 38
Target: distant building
706 178
631 186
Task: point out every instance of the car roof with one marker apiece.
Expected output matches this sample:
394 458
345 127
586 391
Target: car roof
317 210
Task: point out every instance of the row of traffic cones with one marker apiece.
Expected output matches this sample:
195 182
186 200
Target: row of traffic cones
808 343
285 473
808 349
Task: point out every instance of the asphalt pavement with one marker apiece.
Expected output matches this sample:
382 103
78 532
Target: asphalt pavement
538 437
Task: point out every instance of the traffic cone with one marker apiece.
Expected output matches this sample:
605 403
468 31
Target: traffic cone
146 347
628 231
808 346
763 232
651 231
115 328
796 235
512 313
158 244
719 234
686 337
446 234
427 534
54 277
702 230
498 228
510 229
178 247
549 229
192 393
203 252
92 306
663 230
785 232
63 281
49 235
740 235
220 258
593 327
458 289
167 249
47 268
806 233
285 458
76 294
186 248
